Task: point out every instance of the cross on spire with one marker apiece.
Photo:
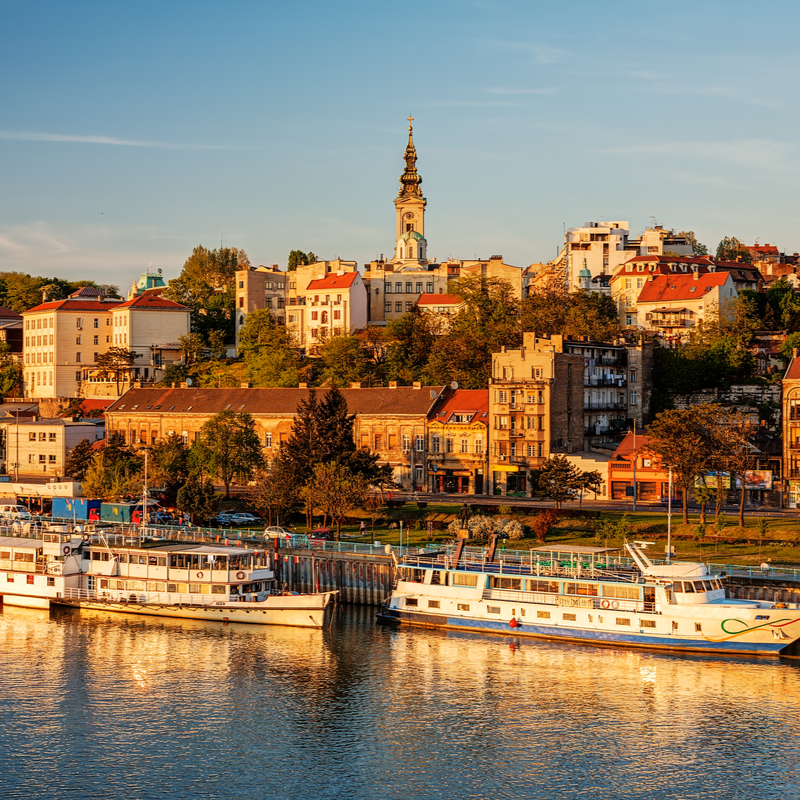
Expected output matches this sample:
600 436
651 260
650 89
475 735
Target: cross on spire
410 120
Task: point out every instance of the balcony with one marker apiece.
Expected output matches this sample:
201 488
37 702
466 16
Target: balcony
604 405
606 380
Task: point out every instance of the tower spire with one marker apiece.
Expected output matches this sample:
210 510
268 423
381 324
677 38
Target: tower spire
410 180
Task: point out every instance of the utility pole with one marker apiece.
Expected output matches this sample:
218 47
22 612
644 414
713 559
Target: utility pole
635 459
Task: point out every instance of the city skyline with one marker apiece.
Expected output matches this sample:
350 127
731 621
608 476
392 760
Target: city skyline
132 135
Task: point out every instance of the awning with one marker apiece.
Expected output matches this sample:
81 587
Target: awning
504 468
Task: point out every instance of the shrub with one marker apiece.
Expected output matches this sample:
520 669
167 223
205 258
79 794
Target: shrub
481 527
506 511
514 530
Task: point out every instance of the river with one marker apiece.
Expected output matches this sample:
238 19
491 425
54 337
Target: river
97 705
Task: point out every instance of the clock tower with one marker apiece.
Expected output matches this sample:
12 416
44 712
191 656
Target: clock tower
411 246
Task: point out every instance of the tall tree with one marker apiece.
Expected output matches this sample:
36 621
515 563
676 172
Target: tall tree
198 499
336 490
697 248
410 341
79 460
229 447
274 493
558 478
344 360
731 249
116 364
297 258
168 466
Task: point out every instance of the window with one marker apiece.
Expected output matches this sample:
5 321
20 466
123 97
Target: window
398 307
51 459
419 287
633 376
267 440
388 288
462 579
398 287
429 287
77 340
502 423
543 615
502 397
78 357
464 444
79 323
647 623
435 443
492 609
698 627
387 307
241 302
31 437
96 322
569 617
315 315
409 288
634 397
43 437
412 601
478 444
337 314
463 606
433 604
406 442
420 440
622 621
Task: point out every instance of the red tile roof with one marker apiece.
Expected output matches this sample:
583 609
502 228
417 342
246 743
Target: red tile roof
404 400
74 305
333 281
679 288
626 447
88 291
793 373
147 301
464 401
439 300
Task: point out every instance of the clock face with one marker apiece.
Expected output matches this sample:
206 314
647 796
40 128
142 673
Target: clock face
409 215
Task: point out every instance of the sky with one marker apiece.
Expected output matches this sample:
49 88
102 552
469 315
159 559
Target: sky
132 132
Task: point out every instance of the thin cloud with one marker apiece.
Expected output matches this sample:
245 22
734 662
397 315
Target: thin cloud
504 90
30 136
542 54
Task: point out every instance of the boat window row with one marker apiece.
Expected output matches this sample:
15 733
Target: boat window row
570 588
161 586
693 587
28 557
196 561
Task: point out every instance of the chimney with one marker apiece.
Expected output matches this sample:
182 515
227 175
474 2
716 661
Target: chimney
303 386
392 384
794 352
184 385
355 385
416 385
696 275
244 385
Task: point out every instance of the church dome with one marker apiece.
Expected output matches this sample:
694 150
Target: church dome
414 236
584 273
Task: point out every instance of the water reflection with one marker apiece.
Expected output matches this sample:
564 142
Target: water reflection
98 705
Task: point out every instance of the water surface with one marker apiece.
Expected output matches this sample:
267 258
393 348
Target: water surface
98 705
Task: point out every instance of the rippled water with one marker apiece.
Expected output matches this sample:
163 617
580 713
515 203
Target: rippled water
96 705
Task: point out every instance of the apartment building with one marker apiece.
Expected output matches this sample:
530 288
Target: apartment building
63 338
258 288
40 447
617 380
535 409
791 432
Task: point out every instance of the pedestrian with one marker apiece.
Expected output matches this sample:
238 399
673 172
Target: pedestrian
363 527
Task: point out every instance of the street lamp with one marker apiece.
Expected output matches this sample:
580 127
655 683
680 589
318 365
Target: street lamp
669 517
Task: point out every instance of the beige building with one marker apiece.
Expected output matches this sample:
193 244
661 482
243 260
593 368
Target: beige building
332 305
535 410
62 340
389 420
40 447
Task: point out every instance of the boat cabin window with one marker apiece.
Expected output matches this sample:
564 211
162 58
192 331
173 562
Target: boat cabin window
550 587
621 592
502 582
411 575
439 577
412 601
709 586
463 579
586 589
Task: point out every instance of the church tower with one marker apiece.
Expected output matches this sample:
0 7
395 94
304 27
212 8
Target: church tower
411 248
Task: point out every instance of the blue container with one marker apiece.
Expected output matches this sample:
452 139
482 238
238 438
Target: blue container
78 508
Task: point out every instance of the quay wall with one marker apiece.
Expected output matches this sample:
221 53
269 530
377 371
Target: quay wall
359 578
759 588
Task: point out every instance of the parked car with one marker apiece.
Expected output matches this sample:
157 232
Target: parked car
276 532
243 518
221 521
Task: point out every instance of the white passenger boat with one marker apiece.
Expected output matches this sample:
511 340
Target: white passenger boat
186 580
588 594
36 568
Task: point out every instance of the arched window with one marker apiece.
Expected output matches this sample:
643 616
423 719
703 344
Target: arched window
411 252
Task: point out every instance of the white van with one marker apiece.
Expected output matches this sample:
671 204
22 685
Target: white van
14 512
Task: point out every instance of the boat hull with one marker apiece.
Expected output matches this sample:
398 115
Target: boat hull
586 635
24 601
299 611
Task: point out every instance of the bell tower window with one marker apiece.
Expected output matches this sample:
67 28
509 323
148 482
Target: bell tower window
409 226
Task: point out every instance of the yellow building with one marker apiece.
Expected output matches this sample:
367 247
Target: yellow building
535 409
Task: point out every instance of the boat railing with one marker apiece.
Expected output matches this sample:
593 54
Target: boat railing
132 597
570 601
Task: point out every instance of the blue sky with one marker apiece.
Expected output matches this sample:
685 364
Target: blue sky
130 133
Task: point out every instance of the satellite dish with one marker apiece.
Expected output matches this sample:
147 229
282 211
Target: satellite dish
454 385
188 381
159 270
433 394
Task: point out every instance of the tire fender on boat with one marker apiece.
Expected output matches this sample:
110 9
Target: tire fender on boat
614 604
604 604
240 576
199 574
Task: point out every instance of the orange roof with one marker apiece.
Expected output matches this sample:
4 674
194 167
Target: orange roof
439 300
626 448
793 373
465 401
147 301
679 288
75 305
333 282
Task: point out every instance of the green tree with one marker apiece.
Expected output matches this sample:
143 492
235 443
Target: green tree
410 339
553 310
112 478
297 258
79 460
197 498
192 348
274 493
344 360
10 380
697 248
216 345
269 351
206 286
116 363
336 490
168 466
278 368
556 478
791 342
731 249
229 447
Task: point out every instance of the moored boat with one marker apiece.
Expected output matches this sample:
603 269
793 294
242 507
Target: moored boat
191 581
588 594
